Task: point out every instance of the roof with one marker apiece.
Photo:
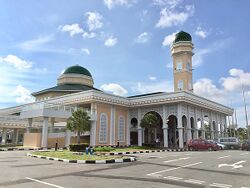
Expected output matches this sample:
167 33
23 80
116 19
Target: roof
67 88
182 36
147 94
77 69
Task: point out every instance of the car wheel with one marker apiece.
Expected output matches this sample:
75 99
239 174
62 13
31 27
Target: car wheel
221 148
191 148
210 149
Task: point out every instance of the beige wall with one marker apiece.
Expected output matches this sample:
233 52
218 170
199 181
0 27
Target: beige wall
120 112
52 142
184 56
32 139
103 108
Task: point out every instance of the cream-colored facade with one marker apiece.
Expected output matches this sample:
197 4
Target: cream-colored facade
115 119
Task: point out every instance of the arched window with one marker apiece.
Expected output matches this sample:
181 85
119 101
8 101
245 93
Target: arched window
121 129
103 133
180 85
179 66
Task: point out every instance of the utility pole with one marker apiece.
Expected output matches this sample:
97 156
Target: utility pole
236 122
244 100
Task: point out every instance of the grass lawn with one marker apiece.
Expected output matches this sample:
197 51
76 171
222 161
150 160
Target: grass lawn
65 154
128 149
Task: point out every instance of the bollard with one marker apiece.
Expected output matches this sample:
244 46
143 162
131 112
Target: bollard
91 151
56 146
87 150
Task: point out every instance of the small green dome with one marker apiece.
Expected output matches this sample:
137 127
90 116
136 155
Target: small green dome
77 69
182 36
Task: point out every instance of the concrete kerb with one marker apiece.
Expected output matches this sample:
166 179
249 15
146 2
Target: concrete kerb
27 149
146 151
108 161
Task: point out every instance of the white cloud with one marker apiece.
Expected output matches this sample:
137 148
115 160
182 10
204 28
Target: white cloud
110 41
89 35
86 51
201 33
171 17
145 87
198 58
112 3
152 78
169 3
36 43
94 20
22 95
236 80
168 40
116 89
73 29
16 62
142 38
206 88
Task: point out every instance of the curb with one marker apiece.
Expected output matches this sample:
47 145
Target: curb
130 159
26 149
146 151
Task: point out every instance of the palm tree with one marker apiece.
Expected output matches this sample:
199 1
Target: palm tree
79 122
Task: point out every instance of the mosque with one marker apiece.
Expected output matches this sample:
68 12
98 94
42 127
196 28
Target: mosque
182 114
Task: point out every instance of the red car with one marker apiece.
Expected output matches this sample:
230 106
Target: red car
200 144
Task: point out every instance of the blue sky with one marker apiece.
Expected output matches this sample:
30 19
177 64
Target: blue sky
125 44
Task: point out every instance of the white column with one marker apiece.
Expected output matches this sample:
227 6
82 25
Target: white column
45 132
139 136
93 124
112 126
196 131
189 136
139 128
13 136
67 138
29 125
165 127
165 137
179 126
202 126
17 136
128 128
4 134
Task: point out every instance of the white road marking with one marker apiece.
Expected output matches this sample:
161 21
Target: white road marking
224 157
173 178
195 181
170 169
220 185
235 165
174 160
43 182
244 153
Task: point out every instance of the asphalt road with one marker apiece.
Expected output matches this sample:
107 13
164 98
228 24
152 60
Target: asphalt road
221 169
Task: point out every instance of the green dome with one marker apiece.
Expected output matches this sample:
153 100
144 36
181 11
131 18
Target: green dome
182 36
77 69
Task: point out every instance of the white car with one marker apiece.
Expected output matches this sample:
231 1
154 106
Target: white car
221 146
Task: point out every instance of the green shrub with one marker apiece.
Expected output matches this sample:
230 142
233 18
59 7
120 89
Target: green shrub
78 147
104 149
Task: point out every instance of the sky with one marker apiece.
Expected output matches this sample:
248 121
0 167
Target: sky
125 44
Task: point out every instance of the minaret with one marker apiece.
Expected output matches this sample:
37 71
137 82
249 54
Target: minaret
182 52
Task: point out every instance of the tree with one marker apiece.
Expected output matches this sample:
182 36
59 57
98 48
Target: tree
150 120
79 122
242 133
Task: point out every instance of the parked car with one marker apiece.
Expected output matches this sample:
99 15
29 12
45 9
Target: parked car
201 144
246 145
220 145
230 142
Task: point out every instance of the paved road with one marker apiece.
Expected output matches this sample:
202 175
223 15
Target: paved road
222 169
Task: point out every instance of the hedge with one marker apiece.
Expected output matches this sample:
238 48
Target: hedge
78 147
